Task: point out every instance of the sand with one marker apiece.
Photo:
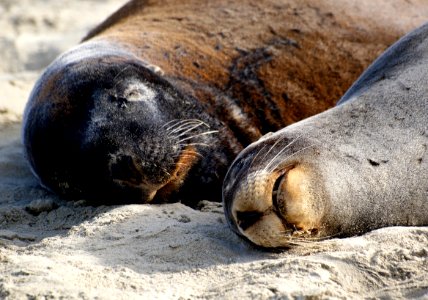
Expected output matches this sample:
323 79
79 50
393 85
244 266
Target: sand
53 249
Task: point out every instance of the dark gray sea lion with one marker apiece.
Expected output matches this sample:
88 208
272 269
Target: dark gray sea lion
158 100
356 167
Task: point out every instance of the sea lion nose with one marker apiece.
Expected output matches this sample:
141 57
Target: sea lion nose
124 169
246 219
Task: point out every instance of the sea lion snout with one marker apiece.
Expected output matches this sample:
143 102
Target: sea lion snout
127 172
155 174
272 201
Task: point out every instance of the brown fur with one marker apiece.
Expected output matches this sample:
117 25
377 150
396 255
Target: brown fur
290 59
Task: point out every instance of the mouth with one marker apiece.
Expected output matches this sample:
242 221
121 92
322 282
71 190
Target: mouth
128 176
146 194
187 159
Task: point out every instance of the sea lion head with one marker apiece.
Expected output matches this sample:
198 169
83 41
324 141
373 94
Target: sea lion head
356 167
102 125
271 193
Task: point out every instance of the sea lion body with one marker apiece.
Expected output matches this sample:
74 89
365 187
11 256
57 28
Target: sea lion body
356 167
157 101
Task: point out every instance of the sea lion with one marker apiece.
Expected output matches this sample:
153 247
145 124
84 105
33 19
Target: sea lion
356 167
157 101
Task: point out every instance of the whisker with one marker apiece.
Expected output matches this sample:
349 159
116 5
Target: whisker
199 144
304 237
193 144
169 122
254 158
184 127
186 121
283 149
273 146
199 134
189 129
180 125
288 157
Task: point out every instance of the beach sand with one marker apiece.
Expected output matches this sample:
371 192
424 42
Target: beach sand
53 249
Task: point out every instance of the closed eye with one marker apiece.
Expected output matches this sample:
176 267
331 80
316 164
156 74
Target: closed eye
139 92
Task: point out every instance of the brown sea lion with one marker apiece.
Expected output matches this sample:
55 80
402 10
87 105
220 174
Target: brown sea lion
356 167
157 101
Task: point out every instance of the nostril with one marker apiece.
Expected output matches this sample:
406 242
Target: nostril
246 219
